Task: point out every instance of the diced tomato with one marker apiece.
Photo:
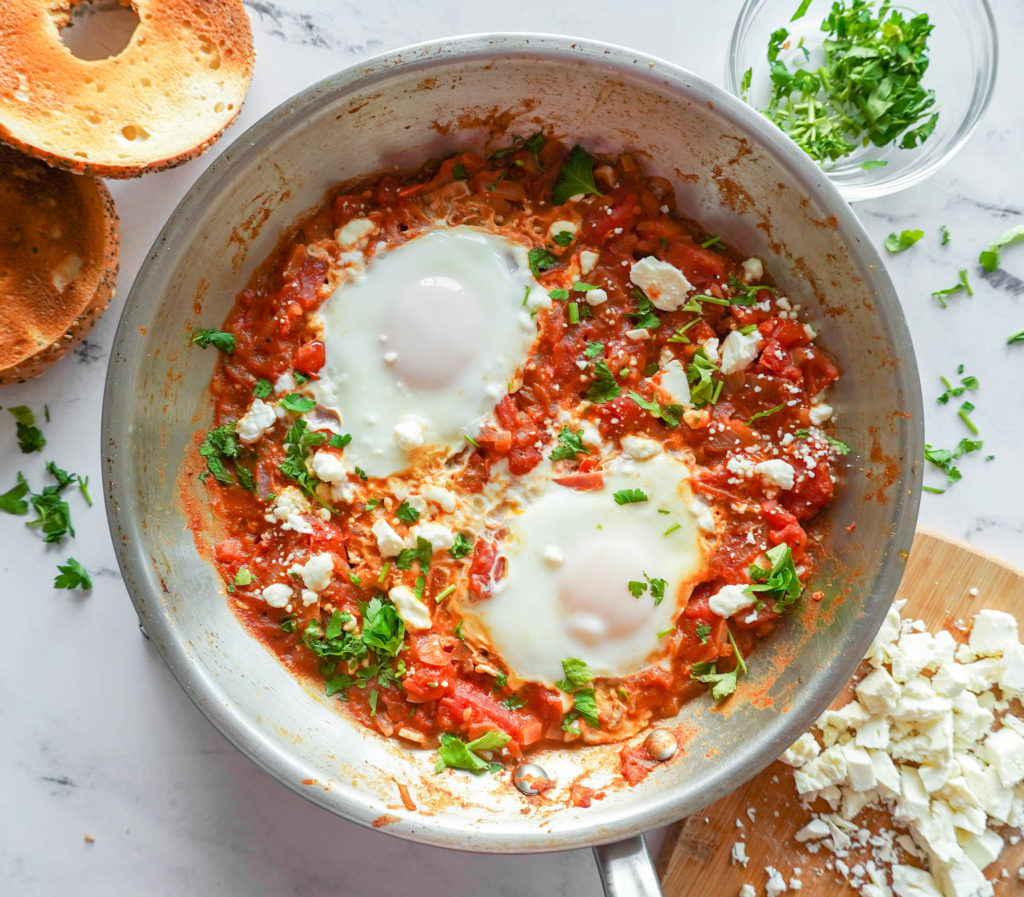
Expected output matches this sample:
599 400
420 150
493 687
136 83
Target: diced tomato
784 527
230 551
484 555
620 212
310 357
582 482
810 494
303 286
469 704
427 683
523 460
430 649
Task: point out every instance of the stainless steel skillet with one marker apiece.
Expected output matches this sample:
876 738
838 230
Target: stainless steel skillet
733 172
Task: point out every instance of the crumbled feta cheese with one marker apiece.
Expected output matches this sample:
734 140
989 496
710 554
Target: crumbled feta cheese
388 541
753 270
440 537
640 448
440 496
553 556
596 297
731 599
805 748
664 284
741 465
588 260
409 432
909 881
776 884
259 419
329 467
776 471
702 515
820 412
413 611
288 509
878 692
672 380
316 572
710 347
739 853
640 334
747 891
560 227
354 232
277 595
738 350
1004 750
993 632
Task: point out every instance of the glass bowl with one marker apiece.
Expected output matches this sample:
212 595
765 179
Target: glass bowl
962 50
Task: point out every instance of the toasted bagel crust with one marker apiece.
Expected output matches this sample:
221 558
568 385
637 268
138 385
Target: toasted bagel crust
161 101
58 261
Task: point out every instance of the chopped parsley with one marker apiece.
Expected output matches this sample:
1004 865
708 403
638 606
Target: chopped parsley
704 389
629 496
768 413
454 753
713 240
372 504
541 260
219 448
989 258
339 440
298 441
13 500
903 240
444 593
216 338
961 284
514 702
460 547
944 238
1017 337
680 334
459 171
30 437
570 445
243 577
966 383
670 414
868 88
944 458
574 312
657 586
595 349
72 575
406 513
262 389
562 238
965 409
604 387
300 378
780 582
296 403
703 631
722 684
576 674
576 681
644 317
383 628
421 553
838 444
576 177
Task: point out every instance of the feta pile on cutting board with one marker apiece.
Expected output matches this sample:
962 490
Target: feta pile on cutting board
935 737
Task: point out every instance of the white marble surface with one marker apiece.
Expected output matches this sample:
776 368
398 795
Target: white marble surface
95 735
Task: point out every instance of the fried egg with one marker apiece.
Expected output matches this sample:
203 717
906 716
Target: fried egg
591 574
422 343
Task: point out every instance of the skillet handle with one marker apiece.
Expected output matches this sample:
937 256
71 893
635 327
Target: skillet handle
626 869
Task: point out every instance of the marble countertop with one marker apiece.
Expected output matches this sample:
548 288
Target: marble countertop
98 739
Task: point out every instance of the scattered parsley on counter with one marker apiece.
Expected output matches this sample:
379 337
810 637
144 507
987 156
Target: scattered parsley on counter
944 235
72 575
962 284
944 458
952 391
216 338
13 500
576 177
1017 337
902 241
989 258
30 437
454 753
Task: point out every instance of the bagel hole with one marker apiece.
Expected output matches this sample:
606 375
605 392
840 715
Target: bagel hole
99 29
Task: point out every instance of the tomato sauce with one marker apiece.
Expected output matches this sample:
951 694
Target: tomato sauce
436 683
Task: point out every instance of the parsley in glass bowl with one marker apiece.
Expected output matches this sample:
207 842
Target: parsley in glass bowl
842 76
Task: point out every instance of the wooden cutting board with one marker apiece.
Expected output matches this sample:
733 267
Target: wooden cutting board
766 812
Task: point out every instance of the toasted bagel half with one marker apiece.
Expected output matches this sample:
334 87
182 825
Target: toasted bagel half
164 99
59 237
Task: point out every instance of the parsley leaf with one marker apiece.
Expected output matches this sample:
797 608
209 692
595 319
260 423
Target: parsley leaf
944 458
571 445
30 437
562 238
703 631
1017 337
338 440
636 587
72 575
13 500
670 414
962 284
53 516
454 753
576 177
604 388
298 441
221 445
297 404
704 389
262 389
541 260
952 391
576 675
989 258
761 414
460 547
406 513
584 707
459 171
903 240
216 338
629 496
780 582
644 317
383 628
595 349
722 684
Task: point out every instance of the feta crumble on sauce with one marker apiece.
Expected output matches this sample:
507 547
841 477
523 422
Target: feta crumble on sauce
509 453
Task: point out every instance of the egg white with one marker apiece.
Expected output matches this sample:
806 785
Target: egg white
568 559
422 343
